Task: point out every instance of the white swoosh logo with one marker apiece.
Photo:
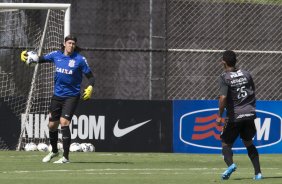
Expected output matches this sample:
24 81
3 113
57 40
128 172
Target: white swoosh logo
121 132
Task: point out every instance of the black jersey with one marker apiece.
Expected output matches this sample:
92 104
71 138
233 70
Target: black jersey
239 88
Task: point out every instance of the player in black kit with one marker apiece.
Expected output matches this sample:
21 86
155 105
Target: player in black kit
237 95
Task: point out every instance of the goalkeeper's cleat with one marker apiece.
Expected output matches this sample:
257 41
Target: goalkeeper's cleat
24 55
258 176
228 172
62 160
87 93
49 157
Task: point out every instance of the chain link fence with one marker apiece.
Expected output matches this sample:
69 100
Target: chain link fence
124 43
159 50
199 30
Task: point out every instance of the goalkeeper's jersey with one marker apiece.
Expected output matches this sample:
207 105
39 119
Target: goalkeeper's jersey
68 74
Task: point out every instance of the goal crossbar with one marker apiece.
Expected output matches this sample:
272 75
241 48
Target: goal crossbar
58 6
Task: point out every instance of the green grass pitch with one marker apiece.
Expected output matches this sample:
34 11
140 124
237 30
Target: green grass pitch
132 168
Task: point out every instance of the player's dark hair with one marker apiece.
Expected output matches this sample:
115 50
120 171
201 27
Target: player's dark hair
229 57
71 37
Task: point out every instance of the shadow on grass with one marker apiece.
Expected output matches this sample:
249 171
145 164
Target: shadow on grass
82 162
264 178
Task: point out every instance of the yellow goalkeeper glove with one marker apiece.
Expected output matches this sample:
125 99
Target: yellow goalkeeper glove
87 93
24 56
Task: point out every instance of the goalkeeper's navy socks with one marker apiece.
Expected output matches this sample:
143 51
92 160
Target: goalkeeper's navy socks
53 140
66 140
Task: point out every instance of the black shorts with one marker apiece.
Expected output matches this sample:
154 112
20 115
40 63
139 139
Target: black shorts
231 130
62 107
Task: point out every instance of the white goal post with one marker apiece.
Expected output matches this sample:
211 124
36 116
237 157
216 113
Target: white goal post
43 6
40 27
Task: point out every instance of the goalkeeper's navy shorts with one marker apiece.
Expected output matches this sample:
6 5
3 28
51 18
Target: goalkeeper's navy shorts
231 130
62 107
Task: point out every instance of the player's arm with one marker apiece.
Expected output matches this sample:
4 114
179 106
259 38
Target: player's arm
222 105
42 59
89 90
223 90
252 83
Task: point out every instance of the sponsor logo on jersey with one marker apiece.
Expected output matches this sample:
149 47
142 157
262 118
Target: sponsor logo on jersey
198 128
63 70
241 80
236 74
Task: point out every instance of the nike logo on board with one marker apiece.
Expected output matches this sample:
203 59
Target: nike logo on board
118 132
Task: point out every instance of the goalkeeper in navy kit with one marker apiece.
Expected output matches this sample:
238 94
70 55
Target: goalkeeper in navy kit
70 67
237 95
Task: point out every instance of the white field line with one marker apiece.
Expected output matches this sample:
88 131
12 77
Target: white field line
144 171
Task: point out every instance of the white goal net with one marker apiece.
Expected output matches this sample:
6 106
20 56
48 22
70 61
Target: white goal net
27 90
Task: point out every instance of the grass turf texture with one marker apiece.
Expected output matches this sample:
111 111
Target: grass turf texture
132 168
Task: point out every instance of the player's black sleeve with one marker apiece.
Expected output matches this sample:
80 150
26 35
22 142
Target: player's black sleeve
91 78
42 60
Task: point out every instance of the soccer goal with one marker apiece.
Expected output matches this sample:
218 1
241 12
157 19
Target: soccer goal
27 90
